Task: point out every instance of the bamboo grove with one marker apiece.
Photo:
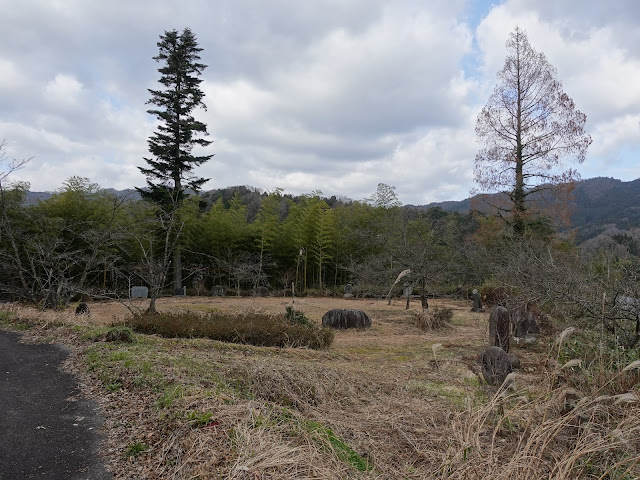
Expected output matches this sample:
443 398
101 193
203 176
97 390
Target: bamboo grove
84 239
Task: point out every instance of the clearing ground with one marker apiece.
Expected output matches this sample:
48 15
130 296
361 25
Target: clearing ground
387 402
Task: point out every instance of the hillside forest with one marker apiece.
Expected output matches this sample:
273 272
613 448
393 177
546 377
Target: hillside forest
521 252
84 241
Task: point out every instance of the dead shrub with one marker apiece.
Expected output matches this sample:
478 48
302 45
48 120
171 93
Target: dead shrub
437 318
251 327
560 433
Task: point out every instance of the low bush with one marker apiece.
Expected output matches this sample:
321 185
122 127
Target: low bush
442 316
493 294
119 334
253 328
296 317
602 366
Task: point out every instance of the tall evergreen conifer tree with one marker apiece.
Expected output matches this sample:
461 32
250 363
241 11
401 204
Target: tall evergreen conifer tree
169 172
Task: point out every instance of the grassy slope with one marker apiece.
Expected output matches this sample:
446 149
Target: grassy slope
380 403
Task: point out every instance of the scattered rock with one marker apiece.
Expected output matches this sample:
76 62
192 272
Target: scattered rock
524 321
495 365
219 291
477 302
261 292
514 361
139 291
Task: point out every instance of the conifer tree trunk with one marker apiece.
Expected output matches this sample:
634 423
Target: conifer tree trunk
172 144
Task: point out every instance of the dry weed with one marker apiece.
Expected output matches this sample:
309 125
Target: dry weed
512 437
436 318
374 399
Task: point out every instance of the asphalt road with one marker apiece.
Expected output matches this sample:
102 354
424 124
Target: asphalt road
47 429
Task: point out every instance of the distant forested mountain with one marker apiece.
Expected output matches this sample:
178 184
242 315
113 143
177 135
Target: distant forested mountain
602 202
603 206
34 197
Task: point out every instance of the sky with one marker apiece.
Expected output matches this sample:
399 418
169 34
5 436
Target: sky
330 95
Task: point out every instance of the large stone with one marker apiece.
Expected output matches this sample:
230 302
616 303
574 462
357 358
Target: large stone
139 291
219 291
82 309
477 302
524 322
499 326
261 292
495 365
534 327
513 361
338 318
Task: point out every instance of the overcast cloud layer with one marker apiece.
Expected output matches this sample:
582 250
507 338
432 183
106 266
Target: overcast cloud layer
327 95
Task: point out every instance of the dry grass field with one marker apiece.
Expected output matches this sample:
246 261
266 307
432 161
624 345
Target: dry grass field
388 402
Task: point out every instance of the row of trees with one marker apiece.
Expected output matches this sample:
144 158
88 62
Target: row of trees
85 239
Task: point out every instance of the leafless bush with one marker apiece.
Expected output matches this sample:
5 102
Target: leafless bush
434 319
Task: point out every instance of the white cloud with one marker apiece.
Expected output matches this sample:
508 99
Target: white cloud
330 95
621 132
10 78
63 90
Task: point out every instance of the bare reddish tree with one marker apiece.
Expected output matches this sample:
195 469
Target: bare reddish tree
527 129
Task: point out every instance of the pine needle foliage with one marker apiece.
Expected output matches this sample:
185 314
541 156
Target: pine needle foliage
169 171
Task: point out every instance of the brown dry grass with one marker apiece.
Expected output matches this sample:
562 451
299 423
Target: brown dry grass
404 402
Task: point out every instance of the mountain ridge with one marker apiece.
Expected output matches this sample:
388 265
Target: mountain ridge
601 204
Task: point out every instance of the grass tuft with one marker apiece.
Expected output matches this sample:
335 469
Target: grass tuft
119 334
343 451
136 449
437 318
